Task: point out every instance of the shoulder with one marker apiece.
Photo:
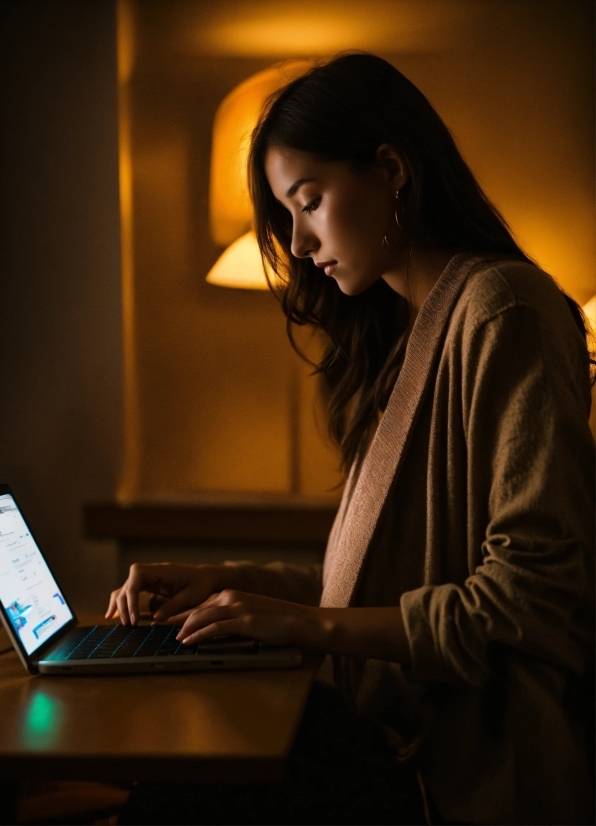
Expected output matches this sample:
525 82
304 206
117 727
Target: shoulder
517 294
512 312
495 287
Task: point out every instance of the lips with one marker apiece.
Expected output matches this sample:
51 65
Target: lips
327 266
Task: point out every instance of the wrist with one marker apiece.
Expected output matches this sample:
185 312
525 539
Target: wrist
228 575
318 630
375 633
334 633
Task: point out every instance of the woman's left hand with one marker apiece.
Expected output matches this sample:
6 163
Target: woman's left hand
269 620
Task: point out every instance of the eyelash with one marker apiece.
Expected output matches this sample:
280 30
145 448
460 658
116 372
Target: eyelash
312 206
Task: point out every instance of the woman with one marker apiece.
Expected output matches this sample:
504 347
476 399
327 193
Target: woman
456 594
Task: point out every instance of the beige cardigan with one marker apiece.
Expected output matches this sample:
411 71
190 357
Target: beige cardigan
474 511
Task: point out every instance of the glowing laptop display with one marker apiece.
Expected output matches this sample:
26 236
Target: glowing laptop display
28 591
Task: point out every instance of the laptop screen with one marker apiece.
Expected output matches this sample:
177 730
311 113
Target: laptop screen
28 591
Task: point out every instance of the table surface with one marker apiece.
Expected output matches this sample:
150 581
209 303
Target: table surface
234 726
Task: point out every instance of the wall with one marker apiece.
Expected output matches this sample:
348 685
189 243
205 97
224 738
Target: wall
60 319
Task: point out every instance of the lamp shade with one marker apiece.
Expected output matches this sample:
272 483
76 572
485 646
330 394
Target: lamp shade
230 210
590 312
240 266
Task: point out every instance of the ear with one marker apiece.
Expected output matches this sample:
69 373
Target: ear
393 164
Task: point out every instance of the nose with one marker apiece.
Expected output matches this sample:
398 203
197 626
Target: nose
304 242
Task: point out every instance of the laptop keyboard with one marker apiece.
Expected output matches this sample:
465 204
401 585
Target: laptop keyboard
107 642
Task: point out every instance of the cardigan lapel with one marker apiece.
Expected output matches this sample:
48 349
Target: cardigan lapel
364 498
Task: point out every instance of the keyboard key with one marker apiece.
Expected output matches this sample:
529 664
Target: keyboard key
125 650
101 641
69 643
139 642
169 647
92 639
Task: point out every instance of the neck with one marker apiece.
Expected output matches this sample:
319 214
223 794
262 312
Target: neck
416 273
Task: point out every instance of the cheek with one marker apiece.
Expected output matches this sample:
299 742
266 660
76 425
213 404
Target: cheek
358 245
363 249
362 222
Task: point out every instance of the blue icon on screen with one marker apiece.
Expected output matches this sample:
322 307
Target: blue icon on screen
16 614
43 626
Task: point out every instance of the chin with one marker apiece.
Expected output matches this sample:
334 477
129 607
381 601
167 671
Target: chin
355 286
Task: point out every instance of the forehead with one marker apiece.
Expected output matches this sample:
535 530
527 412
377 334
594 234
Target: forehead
284 166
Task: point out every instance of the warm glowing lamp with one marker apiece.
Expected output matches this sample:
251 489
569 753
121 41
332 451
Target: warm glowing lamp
590 312
230 210
240 265
229 203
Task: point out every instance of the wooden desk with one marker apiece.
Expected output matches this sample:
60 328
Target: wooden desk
220 726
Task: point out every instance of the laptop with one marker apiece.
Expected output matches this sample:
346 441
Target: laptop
44 631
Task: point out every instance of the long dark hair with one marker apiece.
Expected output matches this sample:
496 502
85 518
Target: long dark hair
344 110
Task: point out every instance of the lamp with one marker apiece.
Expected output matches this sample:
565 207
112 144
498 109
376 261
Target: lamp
240 265
230 209
590 312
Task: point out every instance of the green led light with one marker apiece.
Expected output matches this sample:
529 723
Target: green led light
41 722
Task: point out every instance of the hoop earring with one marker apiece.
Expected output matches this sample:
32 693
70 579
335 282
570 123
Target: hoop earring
397 202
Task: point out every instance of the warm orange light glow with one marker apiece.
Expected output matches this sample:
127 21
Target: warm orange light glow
126 40
309 27
287 33
545 237
240 266
128 484
229 203
590 311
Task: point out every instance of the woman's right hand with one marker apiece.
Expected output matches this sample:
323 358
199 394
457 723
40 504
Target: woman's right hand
174 589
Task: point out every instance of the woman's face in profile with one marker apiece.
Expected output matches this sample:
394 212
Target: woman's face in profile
339 215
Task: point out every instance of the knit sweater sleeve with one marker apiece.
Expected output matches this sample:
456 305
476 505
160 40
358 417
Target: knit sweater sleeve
530 470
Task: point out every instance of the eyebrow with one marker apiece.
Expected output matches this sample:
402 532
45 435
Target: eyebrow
296 186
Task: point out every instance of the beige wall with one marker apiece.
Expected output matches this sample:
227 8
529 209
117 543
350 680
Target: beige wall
513 80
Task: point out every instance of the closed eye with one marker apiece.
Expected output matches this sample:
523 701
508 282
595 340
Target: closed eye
312 206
